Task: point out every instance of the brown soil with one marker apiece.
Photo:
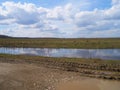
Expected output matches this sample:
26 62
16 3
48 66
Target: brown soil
37 77
94 70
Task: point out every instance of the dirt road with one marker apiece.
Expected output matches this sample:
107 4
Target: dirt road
33 77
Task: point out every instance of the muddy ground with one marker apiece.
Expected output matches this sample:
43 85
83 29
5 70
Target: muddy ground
33 77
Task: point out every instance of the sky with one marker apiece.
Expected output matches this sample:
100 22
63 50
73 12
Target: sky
60 18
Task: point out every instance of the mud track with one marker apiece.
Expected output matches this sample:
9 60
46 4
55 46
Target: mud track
95 70
47 74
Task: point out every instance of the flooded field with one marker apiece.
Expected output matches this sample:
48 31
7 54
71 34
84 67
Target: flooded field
105 54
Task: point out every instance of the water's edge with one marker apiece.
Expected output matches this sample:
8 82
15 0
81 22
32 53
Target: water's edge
104 54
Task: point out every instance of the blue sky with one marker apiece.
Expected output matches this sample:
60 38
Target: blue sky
60 18
52 3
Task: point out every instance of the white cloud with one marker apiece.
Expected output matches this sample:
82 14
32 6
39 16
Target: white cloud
28 13
86 18
22 13
34 21
114 2
60 13
113 12
99 20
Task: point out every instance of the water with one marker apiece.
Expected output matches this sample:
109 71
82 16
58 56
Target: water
107 54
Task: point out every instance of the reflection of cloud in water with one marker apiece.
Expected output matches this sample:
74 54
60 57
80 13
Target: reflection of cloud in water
78 53
109 52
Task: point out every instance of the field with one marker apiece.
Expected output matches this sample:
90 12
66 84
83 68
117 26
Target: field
91 43
25 72
90 67
106 69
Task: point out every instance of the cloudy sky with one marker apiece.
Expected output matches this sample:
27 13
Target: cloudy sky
60 18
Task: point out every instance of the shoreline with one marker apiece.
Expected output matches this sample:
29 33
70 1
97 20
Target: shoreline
89 68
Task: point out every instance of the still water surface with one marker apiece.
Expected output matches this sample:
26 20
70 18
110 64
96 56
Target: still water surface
107 54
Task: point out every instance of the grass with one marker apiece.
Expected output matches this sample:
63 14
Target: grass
91 43
63 59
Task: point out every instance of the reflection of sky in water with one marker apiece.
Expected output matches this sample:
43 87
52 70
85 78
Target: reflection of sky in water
78 53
